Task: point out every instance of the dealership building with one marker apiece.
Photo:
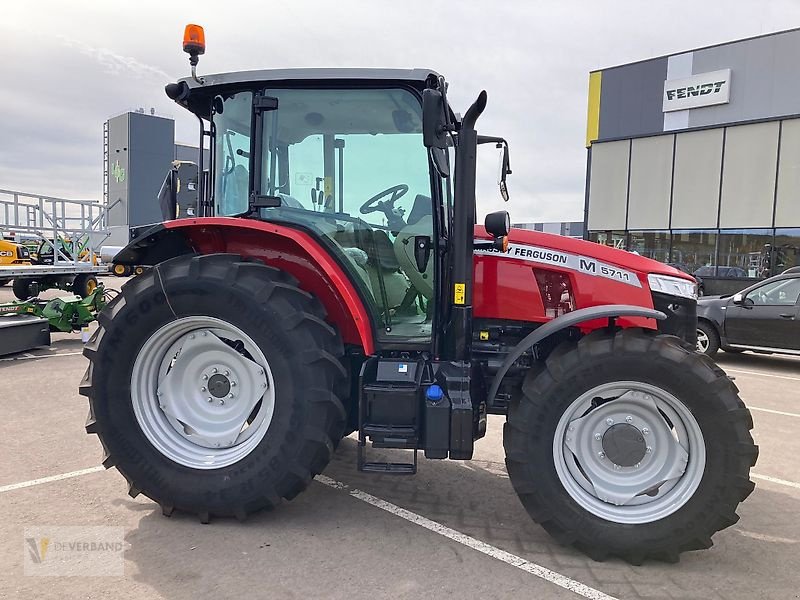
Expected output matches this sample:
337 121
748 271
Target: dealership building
694 158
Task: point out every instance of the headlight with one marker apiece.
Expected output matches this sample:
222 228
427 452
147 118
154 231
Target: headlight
674 286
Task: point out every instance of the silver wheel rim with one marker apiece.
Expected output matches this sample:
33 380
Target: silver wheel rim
202 392
702 341
673 454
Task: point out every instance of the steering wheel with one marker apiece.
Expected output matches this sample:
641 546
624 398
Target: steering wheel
374 204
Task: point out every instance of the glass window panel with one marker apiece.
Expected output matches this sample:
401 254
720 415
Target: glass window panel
744 253
652 244
695 252
615 239
232 151
351 166
786 250
776 293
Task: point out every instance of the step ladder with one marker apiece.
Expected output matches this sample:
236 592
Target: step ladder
389 415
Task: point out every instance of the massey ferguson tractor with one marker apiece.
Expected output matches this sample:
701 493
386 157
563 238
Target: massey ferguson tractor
334 281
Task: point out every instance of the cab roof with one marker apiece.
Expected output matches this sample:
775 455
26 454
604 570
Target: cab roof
417 76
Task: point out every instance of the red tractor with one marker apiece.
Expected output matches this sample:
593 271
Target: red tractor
334 281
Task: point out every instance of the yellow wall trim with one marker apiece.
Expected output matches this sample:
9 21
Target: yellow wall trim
593 113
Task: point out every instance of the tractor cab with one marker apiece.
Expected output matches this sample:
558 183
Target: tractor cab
358 158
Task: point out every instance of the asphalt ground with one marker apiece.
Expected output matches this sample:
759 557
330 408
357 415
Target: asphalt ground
455 530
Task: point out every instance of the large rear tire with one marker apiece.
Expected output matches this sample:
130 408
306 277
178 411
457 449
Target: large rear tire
630 445
212 386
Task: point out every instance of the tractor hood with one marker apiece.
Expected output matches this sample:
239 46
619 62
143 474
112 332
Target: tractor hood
620 258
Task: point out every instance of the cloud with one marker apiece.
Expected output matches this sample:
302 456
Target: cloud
115 64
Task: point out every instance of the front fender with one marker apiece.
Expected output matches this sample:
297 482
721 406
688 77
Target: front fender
570 319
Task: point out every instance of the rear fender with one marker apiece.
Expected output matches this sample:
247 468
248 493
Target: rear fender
571 319
284 248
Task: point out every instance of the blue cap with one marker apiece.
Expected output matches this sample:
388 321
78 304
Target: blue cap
434 393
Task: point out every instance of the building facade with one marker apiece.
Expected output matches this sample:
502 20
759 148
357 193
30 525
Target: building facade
567 228
694 158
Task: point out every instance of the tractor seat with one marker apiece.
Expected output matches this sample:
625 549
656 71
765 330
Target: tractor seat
381 250
422 207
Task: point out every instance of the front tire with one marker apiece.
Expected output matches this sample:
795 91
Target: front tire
155 360
630 445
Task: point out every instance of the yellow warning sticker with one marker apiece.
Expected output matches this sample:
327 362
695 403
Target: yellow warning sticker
328 186
484 335
459 293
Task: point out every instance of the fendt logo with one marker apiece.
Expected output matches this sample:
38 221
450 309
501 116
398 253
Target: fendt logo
704 89
696 90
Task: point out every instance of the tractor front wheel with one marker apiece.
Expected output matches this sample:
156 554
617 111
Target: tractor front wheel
213 384
630 445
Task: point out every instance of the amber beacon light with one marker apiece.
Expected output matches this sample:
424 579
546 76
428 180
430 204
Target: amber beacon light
194 44
194 40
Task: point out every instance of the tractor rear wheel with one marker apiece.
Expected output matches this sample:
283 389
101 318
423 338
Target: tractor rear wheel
630 445
212 386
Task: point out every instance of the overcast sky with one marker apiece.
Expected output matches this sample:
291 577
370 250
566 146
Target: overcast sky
66 67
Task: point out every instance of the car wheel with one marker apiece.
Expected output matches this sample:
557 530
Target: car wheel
707 338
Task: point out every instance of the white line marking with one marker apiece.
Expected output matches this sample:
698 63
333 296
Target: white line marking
791 484
774 412
62 476
761 373
31 357
487 549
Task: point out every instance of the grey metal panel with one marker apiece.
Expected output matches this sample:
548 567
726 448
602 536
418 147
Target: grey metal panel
151 154
413 75
765 79
608 185
630 99
787 208
650 182
695 188
190 153
748 175
117 175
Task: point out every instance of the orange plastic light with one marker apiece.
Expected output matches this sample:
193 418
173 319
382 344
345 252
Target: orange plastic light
194 39
505 243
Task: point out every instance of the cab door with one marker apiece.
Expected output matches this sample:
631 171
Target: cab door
766 316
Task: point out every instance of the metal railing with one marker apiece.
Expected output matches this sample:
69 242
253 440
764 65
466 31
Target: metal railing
74 228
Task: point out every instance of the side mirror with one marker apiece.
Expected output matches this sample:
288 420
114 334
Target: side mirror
742 300
498 224
505 169
434 119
